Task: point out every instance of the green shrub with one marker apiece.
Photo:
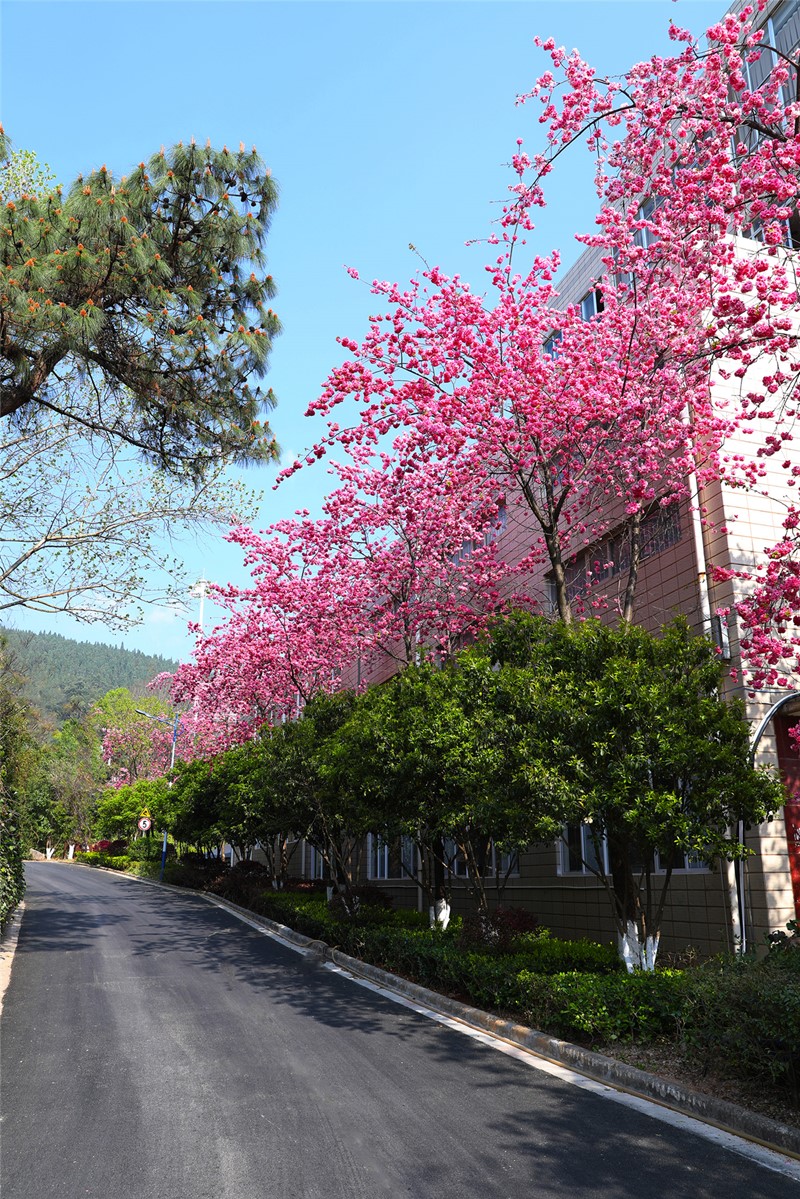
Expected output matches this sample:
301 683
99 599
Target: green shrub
109 860
784 948
144 869
496 931
745 1019
604 1008
194 871
145 849
550 955
12 870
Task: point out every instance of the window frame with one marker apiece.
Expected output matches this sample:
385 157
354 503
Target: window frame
379 858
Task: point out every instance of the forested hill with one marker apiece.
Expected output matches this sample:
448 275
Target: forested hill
65 677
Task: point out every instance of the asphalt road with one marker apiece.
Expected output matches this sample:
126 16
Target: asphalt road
155 1046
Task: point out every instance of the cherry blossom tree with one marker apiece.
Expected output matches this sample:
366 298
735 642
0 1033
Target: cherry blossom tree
398 562
589 423
137 735
586 417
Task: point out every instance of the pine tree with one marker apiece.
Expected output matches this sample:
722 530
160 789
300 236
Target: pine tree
138 306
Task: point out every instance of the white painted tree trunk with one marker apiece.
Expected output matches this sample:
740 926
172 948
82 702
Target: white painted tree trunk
49 850
70 851
636 953
439 914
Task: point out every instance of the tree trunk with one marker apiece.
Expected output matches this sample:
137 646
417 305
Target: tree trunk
635 543
439 911
637 952
637 942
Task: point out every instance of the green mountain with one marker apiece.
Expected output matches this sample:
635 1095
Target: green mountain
63 677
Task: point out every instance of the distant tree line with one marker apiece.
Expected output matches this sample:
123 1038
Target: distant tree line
63 678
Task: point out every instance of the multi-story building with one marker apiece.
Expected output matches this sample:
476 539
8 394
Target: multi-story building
711 907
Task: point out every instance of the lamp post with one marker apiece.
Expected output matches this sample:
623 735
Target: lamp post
176 724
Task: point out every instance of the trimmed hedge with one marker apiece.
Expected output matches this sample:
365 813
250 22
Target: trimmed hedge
110 861
747 1015
12 869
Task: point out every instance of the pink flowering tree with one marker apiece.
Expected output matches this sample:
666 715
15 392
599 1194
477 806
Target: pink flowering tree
422 546
698 169
592 415
587 417
137 746
397 562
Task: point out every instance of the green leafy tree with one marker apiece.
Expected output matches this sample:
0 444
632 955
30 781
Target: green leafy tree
44 823
428 753
321 803
83 525
133 327
632 736
195 821
21 173
134 745
17 755
150 291
119 809
73 765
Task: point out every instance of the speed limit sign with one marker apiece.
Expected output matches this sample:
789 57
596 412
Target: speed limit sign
145 824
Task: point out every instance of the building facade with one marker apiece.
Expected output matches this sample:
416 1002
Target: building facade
711 907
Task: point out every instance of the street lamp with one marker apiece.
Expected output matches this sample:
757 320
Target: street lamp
176 724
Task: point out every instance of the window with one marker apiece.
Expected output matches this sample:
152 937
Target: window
579 852
683 861
661 528
490 535
645 212
316 863
788 232
550 346
396 858
720 635
783 32
454 859
592 304
506 864
503 863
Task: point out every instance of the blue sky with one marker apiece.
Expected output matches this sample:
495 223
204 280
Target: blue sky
384 124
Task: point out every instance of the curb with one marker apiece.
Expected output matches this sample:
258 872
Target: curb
729 1117
8 947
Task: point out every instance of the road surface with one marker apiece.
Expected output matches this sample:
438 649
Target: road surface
156 1047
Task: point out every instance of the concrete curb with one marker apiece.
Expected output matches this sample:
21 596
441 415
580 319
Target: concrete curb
729 1117
719 1112
8 947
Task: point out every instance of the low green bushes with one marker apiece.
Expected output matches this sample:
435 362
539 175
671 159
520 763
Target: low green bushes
12 876
593 1008
97 858
747 1016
